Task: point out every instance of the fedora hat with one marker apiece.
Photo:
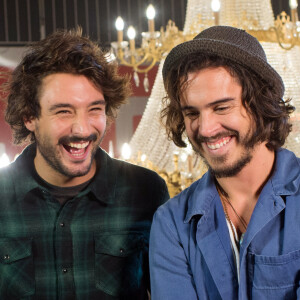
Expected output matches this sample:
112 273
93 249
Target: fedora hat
230 43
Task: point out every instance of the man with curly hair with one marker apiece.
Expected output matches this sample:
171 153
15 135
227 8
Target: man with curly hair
74 223
233 234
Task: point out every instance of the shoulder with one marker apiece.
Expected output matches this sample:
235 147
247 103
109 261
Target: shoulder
195 200
130 179
18 171
176 208
147 180
136 172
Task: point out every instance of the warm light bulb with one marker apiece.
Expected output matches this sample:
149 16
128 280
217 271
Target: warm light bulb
4 160
131 33
215 5
126 151
150 12
110 56
119 24
183 157
111 149
293 4
143 157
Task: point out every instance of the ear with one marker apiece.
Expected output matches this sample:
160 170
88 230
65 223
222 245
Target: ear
30 124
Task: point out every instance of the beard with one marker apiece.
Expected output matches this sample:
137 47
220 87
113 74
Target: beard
53 158
217 165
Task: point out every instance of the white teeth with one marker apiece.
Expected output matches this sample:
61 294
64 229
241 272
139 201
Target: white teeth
218 145
78 146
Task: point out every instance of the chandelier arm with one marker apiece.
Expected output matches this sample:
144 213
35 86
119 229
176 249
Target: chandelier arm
292 44
136 65
146 70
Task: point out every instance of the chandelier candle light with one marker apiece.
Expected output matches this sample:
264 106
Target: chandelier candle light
294 14
150 13
120 27
215 6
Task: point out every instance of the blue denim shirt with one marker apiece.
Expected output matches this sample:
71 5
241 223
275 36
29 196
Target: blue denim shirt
190 252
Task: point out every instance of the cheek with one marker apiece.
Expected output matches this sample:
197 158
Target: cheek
191 127
98 123
60 127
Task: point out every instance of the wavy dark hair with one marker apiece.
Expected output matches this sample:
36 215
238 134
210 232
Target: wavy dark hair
61 52
269 111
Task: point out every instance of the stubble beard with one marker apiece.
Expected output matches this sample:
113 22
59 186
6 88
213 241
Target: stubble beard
218 166
55 161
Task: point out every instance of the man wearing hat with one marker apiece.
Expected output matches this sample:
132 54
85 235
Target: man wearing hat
233 234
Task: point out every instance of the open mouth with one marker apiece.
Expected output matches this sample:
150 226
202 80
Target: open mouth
218 144
77 150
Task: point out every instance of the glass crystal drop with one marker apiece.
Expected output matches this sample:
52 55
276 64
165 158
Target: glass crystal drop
146 83
136 79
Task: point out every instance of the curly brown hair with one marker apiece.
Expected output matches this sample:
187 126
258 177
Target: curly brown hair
61 52
269 111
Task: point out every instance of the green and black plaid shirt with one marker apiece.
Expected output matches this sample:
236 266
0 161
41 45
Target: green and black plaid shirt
95 246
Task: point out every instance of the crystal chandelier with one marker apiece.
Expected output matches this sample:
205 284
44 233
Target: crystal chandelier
279 38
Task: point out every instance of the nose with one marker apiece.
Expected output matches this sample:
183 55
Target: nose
80 126
207 125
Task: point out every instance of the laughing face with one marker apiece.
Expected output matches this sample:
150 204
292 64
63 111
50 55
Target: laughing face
217 124
69 130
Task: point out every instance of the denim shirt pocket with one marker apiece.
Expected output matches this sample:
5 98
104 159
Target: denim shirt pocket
16 268
119 262
274 277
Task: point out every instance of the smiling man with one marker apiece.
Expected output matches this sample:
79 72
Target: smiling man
74 223
233 233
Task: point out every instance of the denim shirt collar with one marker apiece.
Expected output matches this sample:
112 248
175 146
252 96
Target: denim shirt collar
286 176
203 193
284 181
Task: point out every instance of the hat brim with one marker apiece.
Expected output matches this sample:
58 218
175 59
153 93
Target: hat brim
225 50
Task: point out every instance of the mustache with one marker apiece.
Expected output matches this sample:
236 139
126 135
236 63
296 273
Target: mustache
76 139
205 139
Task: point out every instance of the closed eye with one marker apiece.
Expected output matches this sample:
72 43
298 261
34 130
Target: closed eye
191 114
221 108
63 111
97 109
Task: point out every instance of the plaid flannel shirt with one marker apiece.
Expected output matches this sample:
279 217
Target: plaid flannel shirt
95 246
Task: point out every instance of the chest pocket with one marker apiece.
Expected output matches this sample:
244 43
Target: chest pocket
119 262
16 268
275 277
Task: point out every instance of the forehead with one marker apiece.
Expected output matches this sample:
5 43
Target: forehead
211 83
68 87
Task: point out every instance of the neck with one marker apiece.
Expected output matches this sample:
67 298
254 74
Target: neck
252 178
244 189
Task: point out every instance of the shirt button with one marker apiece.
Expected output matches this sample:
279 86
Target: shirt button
64 271
62 224
6 257
122 251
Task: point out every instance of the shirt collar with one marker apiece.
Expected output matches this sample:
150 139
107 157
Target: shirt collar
200 196
102 185
285 180
286 176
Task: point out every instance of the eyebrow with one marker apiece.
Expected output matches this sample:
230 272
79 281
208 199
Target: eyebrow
220 101
98 102
68 105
